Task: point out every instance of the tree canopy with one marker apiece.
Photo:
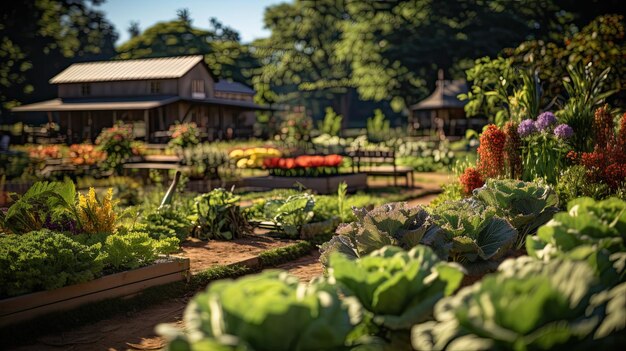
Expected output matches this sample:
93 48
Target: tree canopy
39 38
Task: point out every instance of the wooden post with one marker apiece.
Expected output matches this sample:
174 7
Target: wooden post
114 117
146 120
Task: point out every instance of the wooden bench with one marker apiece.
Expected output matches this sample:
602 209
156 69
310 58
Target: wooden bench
380 163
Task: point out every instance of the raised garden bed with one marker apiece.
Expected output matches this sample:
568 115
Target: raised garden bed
24 307
321 185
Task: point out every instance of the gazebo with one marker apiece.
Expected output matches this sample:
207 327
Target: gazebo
442 110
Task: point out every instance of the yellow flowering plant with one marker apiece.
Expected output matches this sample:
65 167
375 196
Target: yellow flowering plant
95 215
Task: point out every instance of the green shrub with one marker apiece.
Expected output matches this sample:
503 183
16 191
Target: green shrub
400 288
44 260
575 183
270 311
528 305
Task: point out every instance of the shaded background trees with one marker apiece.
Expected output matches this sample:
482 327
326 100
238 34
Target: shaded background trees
39 38
353 56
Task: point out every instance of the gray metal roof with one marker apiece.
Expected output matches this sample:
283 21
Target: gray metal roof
233 87
117 70
444 96
129 103
98 104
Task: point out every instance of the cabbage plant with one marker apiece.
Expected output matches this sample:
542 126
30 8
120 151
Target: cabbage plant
471 232
594 231
395 223
527 305
527 205
268 311
398 287
599 224
291 213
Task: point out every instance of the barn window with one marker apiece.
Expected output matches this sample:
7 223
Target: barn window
197 89
85 89
155 87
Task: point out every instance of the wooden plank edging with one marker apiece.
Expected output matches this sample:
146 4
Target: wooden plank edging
20 308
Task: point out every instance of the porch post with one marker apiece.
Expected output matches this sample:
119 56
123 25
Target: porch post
146 120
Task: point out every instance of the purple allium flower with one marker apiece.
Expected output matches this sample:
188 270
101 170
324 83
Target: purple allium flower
545 120
563 131
526 128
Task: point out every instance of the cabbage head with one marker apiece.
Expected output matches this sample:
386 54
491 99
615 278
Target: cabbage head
527 305
395 223
398 287
527 205
268 311
470 232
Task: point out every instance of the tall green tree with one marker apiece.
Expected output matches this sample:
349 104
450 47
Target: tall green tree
224 54
396 47
39 38
299 61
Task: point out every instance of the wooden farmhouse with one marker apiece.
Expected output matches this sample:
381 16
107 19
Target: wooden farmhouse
152 94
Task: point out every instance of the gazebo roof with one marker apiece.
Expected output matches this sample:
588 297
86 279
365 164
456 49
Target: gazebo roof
444 96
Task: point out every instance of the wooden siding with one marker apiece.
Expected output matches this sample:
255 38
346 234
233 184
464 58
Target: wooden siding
199 72
234 96
116 89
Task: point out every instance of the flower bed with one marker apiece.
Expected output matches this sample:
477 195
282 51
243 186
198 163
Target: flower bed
303 166
321 185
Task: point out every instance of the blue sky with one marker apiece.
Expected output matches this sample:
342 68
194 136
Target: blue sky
245 16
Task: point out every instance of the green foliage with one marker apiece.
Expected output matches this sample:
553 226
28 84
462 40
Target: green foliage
390 224
117 143
205 160
451 192
268 311
600 41
342 191
574 183
597 224
400 288
40 38
168 222
43 202
13 165
527 205
528 305
331 125
378 127
587 90
291 213
471 232
217 215
44 260
130 250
